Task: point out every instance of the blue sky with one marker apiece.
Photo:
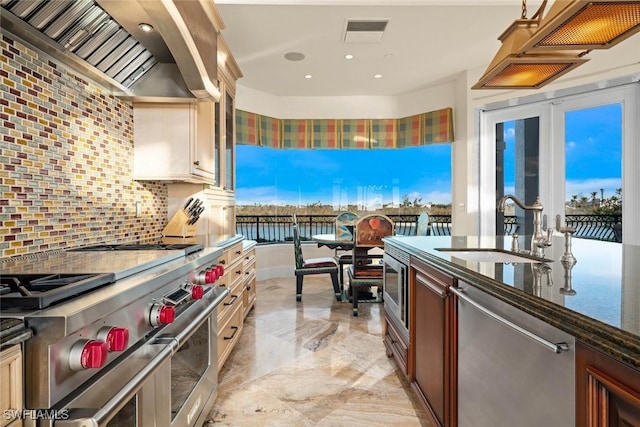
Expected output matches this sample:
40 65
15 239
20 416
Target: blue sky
593 151
370 178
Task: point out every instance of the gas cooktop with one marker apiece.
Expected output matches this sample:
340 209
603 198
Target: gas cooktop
37 291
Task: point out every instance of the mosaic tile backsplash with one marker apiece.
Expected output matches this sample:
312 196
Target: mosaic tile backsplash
66 159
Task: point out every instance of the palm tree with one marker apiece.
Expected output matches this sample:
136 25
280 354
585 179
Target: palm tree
594 196
584 201
574 200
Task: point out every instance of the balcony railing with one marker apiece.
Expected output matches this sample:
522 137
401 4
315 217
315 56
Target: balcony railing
278 228
599 227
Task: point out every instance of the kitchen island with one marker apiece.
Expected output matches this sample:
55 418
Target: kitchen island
595 302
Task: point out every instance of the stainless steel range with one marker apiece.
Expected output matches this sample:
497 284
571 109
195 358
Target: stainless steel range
124 335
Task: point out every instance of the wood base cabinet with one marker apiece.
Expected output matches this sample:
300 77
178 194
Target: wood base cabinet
10 385
395 343
249 268
432 334
230 312
608 392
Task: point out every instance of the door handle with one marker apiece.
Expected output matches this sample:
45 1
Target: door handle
555 347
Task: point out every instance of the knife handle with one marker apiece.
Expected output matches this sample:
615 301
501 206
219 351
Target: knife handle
186 205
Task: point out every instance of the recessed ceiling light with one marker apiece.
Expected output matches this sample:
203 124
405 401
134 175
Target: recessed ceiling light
147 28
294 56
377 76
308 76
348 56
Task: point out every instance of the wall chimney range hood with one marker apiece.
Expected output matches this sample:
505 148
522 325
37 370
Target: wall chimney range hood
103 40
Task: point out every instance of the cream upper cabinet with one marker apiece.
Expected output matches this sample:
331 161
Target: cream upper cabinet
175 141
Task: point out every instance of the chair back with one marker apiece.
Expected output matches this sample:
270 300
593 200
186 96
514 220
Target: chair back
297 249
344 226
422 227
370 229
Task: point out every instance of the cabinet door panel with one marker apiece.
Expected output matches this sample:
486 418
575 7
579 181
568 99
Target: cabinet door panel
433 342
203 163
608 392
162 140
430 347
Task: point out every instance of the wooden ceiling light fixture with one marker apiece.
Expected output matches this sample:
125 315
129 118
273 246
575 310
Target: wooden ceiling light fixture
537 50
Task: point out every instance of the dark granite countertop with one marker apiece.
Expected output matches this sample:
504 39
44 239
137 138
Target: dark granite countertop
597 300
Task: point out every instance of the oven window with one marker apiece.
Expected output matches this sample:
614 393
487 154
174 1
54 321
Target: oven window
391 280
188 365
126 417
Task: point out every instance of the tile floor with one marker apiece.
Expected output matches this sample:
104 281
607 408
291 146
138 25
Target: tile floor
312 364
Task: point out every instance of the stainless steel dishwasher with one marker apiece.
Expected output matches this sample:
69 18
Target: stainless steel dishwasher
513 369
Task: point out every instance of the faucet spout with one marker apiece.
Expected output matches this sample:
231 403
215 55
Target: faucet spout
538 239
536 206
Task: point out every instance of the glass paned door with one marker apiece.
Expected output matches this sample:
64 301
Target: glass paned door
594 154
510 151
517 172
593 171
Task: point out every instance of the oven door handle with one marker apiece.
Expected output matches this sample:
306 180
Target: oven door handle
193 323
84 417
186 325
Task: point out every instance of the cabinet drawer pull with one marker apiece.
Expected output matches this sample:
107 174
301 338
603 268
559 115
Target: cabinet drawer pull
235 329
233 299
197 163
555 347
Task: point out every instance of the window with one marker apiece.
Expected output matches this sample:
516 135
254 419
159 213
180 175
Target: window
364 179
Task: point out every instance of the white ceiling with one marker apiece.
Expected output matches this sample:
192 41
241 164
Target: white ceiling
426 42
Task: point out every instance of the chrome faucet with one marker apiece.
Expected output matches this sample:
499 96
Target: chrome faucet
538 241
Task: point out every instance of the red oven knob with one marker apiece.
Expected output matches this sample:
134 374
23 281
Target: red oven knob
161 314
197 292
220 269
115 337
88 354
210 276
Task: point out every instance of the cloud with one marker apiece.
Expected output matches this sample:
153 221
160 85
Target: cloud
437 196
588 186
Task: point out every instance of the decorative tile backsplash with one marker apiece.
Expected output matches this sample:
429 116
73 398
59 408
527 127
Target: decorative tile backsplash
66 159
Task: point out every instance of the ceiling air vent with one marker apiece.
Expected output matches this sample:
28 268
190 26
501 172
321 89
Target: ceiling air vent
360 31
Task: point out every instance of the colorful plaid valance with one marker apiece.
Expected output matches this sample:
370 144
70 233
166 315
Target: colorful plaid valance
438 126
247 127
383 133
409 131
269 134
295 133
325 133
421 129
355 133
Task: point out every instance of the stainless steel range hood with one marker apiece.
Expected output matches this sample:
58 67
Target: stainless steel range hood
102 39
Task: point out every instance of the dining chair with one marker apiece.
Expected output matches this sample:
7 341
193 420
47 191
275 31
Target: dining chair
423 228
366 271
344 233
313 266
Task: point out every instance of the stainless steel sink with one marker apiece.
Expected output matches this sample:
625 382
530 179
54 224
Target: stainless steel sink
491 255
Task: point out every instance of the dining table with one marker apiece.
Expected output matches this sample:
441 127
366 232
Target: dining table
330 241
